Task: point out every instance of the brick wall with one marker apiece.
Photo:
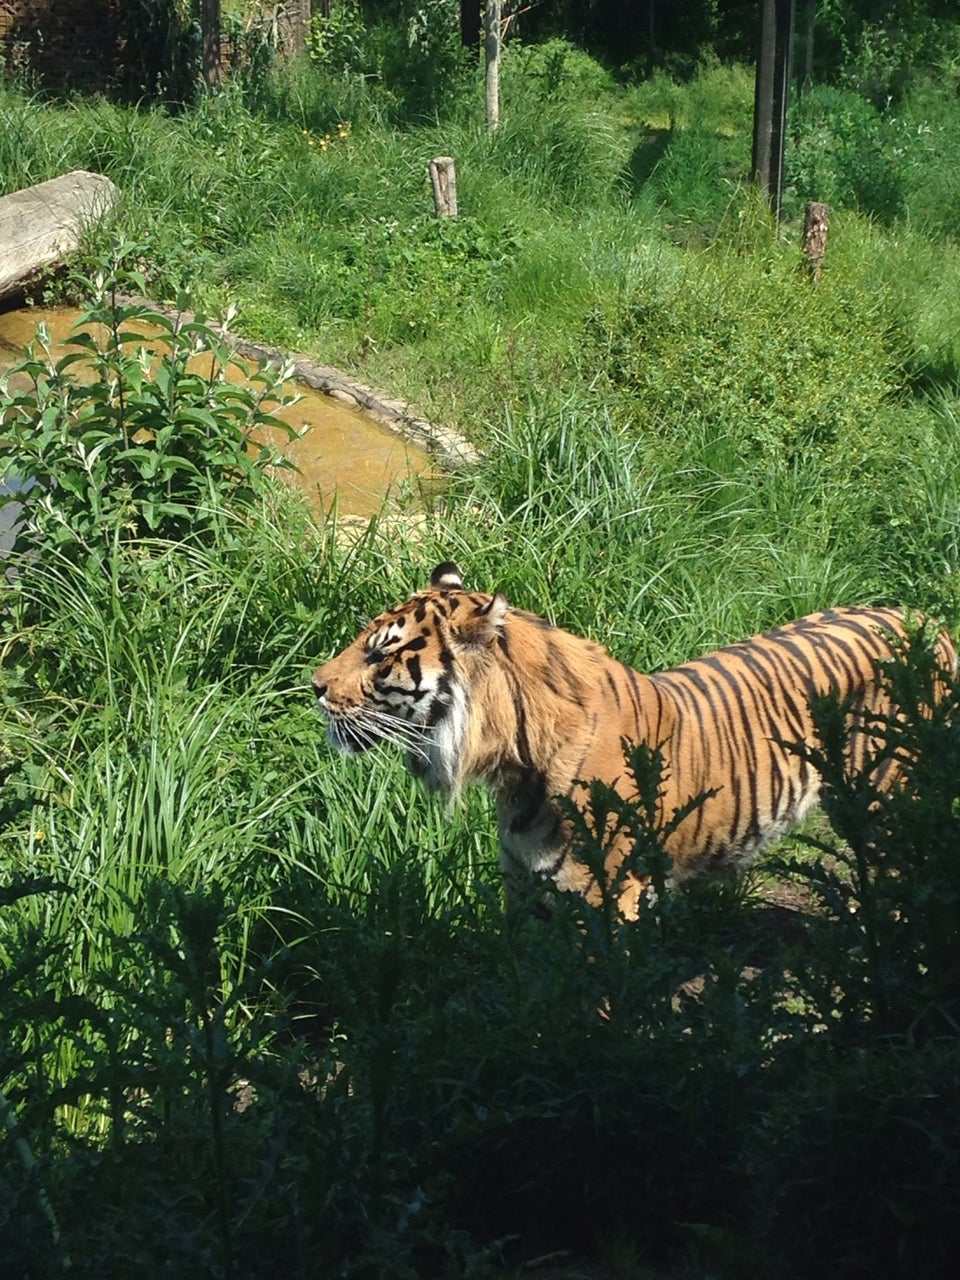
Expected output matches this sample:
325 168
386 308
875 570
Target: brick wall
105 44
63 42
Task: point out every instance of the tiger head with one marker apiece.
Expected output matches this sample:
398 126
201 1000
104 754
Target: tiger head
405 678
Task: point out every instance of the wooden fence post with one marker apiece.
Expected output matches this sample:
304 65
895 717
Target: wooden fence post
816 224
443 175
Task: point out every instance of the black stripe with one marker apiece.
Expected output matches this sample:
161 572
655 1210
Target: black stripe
531 796
744 744
634 687
613 687
520 716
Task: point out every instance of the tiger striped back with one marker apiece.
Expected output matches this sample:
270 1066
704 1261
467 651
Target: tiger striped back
476 690
733 714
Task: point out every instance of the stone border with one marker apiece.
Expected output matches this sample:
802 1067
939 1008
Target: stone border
446 446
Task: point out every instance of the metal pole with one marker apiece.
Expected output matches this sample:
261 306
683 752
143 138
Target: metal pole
771 98
781 100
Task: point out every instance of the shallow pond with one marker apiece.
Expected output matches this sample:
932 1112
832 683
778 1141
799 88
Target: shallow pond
339 452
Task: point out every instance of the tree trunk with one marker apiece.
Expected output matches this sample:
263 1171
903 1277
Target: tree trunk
210 42
492 44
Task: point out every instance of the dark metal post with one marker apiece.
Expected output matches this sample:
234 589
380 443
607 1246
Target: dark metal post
771 98
471 23
210 42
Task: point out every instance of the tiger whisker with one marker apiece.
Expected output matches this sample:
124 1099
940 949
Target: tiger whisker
370 726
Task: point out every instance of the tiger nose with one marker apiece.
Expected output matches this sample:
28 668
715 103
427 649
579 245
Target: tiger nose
319 686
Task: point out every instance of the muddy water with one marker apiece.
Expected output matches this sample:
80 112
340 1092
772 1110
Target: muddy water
340 454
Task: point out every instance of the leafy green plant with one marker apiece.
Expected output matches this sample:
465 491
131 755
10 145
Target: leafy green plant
556 68
888 963
397 279
689 179
129 433
784 365
413 51
337 40
840 154
865 1107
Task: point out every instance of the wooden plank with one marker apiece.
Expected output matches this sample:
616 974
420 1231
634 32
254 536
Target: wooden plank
40 224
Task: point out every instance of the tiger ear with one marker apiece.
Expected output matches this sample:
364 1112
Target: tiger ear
446 577
495 612
484 624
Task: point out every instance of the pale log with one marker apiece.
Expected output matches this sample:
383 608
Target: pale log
40 224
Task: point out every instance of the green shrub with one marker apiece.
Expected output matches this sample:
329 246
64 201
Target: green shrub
561 150
924 136
398 279
338 40
891 891
876 1134
553 69
133 432
738 341
839 153
689 179
414 53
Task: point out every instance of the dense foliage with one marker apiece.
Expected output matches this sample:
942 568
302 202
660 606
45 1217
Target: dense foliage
262 1009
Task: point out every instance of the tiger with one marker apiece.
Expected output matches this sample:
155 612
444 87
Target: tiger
476 690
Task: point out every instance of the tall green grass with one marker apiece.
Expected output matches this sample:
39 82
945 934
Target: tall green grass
296 197
261 1004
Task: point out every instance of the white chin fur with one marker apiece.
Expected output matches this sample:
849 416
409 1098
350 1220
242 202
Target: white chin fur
442 770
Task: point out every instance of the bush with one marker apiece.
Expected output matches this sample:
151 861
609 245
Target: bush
413 52
924 137
739 344
862 1153
868 1113
891 892
839 153
689 179
553 69
138 431
398 279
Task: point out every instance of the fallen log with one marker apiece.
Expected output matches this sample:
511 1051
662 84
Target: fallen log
39 225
